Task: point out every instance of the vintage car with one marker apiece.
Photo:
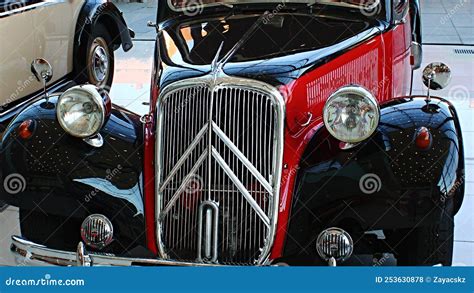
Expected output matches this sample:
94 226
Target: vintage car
78 37
279 133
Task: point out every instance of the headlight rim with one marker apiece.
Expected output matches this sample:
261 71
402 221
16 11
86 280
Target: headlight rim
356 90
93 91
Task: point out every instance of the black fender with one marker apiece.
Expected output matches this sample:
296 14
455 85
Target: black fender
386 182
61 176
415 18
108 14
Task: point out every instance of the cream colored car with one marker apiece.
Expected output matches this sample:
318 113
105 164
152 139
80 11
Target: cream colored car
76 37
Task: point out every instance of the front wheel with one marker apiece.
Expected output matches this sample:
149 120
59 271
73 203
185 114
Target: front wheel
96 61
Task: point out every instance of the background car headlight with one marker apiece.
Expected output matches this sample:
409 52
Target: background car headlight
351 114
82 110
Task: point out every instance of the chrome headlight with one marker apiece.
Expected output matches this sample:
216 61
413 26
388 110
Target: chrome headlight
351 114
82 110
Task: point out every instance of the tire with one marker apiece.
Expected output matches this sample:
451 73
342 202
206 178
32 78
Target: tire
428 245
95 64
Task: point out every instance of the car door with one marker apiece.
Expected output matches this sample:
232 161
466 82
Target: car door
34 29
16 51
55 26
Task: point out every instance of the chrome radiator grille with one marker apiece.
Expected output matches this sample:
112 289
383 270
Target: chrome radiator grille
219 153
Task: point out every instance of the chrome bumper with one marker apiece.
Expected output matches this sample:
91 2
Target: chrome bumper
32 252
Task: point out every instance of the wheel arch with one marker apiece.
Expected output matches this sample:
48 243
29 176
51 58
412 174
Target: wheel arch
108 14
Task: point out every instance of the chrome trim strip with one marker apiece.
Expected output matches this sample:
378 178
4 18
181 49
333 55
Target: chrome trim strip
241 187
27 7
242 158
184 157
182 186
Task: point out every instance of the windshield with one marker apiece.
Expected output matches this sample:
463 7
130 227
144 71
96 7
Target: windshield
197 5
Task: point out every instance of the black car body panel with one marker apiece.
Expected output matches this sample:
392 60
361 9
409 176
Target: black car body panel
67 178
331 190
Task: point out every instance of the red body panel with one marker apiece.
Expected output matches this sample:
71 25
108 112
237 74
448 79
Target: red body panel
370 65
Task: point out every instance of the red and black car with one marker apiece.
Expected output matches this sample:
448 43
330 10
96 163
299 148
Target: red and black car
279 133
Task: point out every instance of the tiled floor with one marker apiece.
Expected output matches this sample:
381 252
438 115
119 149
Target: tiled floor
448 21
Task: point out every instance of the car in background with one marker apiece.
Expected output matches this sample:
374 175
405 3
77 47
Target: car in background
78 37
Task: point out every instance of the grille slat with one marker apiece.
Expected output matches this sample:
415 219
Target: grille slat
232 158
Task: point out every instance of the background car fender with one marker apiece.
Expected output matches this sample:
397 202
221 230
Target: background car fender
108 14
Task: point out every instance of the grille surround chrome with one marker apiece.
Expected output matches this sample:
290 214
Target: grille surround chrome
216 83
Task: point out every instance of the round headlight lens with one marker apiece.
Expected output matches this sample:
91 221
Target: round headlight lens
351 114
81 111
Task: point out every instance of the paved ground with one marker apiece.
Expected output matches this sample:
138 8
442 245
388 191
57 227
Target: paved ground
445 21
448 21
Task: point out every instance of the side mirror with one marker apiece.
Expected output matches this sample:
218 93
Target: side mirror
436 76
42 70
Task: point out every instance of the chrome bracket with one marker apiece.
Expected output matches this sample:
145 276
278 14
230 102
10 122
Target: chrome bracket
96 141
82 258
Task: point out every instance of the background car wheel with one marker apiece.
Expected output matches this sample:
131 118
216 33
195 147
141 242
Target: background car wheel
429 245
96 63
